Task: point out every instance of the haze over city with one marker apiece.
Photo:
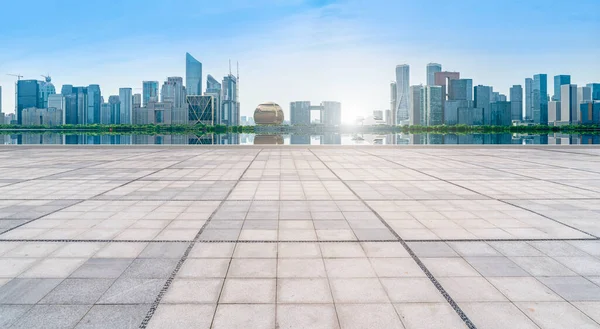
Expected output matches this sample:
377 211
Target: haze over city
292 50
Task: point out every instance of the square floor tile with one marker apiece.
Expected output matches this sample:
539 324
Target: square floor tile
573 288
497 315
401 290
184 291
429 315
252 268
303 291
524 289
293 316
556 315
132 291
358 291
52 316
248 291
182 316
78 292
114 316
243 316
358 316
26 291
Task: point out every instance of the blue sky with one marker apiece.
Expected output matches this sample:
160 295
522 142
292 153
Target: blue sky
289 50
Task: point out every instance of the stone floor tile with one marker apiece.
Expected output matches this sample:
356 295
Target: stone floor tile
429 315
182 316
243 316
9 314
164 250
12 267
26 291
441 267
416 290
53 268
496 315
591 309
102 268
150 268
396 267
298 250
78 292
524 289
114 316
556 315
542 266
573 288
212 250
255 250
384 249
358 291
303 291
193 291
301 268
52 317
204 268
359 316
252 268
432 249
496 266
471 289
342 250
296 316
132 291
349 268
248 291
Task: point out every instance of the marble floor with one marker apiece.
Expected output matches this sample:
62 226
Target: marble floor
300 237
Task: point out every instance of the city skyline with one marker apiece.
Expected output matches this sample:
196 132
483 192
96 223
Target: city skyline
316 43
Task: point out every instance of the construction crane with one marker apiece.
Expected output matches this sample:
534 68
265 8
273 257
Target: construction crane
18 76
47 77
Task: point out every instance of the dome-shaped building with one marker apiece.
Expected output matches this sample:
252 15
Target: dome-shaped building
268 114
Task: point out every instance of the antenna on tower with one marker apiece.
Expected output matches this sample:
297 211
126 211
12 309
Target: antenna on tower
230 67
238 70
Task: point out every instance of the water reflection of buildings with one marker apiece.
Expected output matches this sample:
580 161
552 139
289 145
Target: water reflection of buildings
323 139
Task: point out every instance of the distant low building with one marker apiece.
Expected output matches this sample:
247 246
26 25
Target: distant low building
41 117
589 112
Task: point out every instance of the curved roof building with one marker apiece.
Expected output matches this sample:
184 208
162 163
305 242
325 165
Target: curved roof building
268 114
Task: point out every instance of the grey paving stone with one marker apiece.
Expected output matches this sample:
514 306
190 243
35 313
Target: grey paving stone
132 291
429 315
432 249
303 291
184 291
497 315
557 315
52 317
242 316
248 291
164 250
9 314
150 268
358 316
78 292
573 288
102 268
293 316
496 266
26 291
114 316
182 316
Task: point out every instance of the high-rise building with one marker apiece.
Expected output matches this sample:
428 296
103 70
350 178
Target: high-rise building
461 89
331 113
453 108
76 104
105 114
415 105
193 75
28 92
149 91
300 113
94 102
516 102
528 99
115 109
560 80
57 102
584 94
1 113
554 112
431 105
483 99
174 92
432 68
46 88
230 109
137 100
540 99
569 106
402 89
126 99
201 109
443 79
589 112
393 103
595 88
500 113
213 88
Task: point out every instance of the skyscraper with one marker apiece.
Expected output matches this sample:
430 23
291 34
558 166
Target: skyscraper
584 94
483 99
393 104
149 90
540 99
528 99
115 109
461 89
432 68
431 105
94 102
137 100
402 89
554 112
500 113
126 99
193 75
173 91
300 113
569 107
57 102
230 110
443 79
516 102
46 88
560 80
331 113
213 88
595 88
28 92
415 105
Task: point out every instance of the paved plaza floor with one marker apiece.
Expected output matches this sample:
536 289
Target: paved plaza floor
300 237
